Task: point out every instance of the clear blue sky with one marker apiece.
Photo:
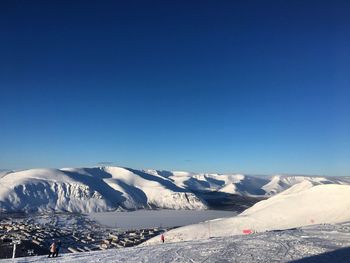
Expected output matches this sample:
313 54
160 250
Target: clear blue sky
257 87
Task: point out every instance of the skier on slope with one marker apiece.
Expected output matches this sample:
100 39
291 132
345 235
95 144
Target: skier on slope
162 238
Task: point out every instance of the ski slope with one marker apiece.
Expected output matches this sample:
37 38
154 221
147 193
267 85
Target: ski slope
316 244
301 205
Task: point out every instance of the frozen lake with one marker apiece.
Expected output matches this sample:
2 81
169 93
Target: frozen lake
156 218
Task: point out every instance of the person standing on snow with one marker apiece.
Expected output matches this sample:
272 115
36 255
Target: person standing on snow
52 249
58 246
162 238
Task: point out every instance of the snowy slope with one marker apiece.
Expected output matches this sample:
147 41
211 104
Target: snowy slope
320 243
245 185
301 205
109 188
279 183
91 189
228 183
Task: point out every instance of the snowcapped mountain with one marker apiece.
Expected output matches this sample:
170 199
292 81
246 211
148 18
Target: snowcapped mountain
245 185
110 188
301 205
91 189
279 183
3 172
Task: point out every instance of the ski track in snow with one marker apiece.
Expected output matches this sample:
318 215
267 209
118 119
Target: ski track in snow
283 246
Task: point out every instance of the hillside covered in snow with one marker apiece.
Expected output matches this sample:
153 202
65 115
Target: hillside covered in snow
301 205
115 188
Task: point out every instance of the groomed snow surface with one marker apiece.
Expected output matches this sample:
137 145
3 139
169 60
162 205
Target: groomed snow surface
316 244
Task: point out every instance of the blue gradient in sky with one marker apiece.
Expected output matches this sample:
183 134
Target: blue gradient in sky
228 86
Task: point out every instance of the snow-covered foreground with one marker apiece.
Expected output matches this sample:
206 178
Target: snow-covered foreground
319 243
156 218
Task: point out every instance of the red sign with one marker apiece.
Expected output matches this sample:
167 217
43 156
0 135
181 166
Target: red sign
247 231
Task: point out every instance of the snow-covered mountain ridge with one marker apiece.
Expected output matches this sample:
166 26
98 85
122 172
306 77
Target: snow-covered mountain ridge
110 188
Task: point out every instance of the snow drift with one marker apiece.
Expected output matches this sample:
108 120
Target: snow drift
301 205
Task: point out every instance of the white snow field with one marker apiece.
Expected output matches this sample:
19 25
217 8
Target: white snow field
110 188
301 205
315 244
